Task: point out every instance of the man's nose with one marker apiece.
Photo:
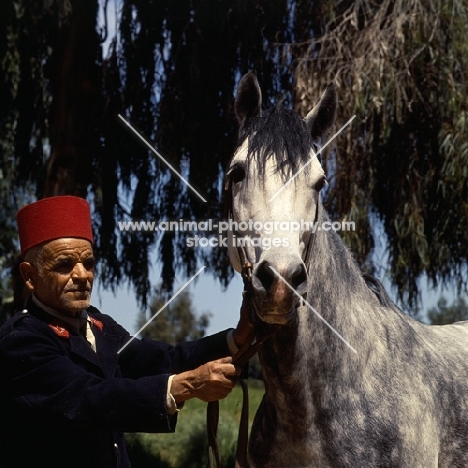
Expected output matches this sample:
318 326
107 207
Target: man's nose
80 272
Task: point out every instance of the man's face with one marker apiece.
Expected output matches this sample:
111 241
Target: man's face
64 278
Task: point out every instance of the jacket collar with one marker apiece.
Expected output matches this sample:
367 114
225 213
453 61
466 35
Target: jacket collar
107 344
73 323
64 330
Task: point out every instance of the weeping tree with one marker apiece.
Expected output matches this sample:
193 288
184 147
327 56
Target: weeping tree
401 67
170 67
445 314
179 323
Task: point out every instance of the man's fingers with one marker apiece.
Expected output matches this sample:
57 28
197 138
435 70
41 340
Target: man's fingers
228 369
224 360
237 371
214 380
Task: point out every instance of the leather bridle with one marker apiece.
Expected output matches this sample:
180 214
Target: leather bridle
240 359
244 354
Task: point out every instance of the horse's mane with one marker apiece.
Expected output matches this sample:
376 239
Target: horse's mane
378 289
280 133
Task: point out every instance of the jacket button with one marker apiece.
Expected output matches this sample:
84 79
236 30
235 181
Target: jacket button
24 311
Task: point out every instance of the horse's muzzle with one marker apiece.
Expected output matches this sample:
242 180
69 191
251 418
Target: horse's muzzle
277 287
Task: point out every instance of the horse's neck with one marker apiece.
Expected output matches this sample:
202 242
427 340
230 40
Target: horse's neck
337 289
339 294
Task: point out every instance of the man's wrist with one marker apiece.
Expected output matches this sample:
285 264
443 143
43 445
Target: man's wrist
172 406
181 388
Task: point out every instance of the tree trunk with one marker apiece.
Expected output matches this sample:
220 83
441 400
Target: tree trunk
74 106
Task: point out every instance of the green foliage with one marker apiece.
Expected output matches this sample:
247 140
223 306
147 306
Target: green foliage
177 322
401 66
142 454
444 314
170 70
187 447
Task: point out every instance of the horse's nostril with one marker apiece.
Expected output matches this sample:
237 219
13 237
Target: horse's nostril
299 276
265 275
295 275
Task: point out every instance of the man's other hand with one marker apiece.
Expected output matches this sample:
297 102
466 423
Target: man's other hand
209 382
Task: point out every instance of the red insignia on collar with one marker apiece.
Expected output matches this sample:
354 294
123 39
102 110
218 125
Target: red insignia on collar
96 323
60 331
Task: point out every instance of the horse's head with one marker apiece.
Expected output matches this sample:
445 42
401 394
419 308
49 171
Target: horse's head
272 191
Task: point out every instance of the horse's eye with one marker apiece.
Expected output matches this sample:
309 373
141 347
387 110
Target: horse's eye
320 184
237 173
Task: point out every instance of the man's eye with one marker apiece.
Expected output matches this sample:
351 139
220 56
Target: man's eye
89 263
64 265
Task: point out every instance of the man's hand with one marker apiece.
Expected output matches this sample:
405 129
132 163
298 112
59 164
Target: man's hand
209 382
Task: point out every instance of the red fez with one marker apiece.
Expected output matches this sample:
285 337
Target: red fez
52 218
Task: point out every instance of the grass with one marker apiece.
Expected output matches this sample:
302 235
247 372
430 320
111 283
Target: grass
187 447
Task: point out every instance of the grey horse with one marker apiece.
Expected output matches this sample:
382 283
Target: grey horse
350 380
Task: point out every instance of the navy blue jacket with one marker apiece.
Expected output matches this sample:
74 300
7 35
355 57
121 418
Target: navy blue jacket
63 405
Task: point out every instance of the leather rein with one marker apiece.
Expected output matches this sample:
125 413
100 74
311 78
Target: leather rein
241 358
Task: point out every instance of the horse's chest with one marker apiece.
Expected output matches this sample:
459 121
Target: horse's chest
281 437
300 436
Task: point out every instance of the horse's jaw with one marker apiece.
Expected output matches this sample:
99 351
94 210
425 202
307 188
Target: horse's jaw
276 317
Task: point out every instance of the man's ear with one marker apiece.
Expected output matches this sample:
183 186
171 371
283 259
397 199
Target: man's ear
27 272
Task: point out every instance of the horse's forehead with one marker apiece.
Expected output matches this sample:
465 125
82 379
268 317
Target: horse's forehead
311 167
242 151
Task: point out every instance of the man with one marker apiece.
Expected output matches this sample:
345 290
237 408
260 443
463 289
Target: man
66 393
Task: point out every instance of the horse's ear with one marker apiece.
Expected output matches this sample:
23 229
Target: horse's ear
321 118
248 101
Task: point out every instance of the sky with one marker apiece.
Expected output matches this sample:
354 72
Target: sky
207 295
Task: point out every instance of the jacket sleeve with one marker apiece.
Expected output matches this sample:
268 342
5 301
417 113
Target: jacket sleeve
38 381
143 357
